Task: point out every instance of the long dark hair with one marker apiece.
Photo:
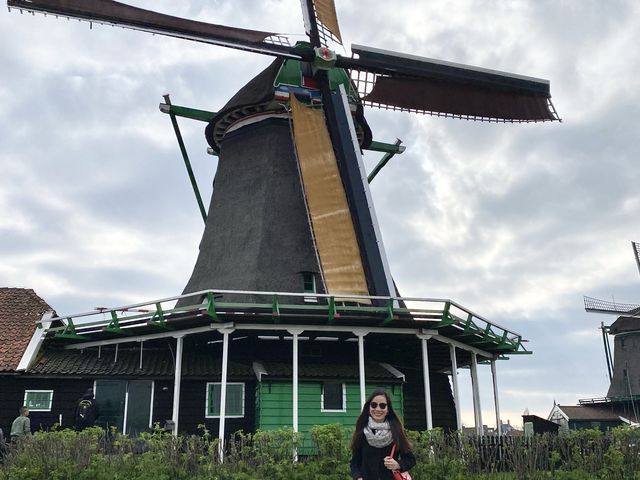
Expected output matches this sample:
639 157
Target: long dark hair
397 430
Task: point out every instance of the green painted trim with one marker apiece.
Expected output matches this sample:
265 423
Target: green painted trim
290 74
274 406
187 163
469 326
317 314
391 150
68 336
275 309
211 307
447 318
69 332
190 113
114 324
333 313
119 331
390 314
383 147
160 322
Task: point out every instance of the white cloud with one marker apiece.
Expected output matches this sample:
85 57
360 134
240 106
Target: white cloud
513 221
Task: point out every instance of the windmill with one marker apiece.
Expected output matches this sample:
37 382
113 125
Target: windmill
291 209
328 241
624 366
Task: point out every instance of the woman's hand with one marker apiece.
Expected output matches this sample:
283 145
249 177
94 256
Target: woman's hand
391 464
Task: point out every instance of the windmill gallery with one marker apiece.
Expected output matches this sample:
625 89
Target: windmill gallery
291 314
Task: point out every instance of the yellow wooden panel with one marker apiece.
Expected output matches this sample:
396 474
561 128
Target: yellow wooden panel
331 221
326 11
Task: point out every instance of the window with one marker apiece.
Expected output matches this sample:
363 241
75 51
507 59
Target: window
235 400
38 400
333 397
309 282
309 286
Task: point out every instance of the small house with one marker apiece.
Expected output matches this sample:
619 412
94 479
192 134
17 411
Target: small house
241 365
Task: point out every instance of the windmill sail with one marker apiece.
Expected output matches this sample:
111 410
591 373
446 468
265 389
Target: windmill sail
406 82
603 306
327 17
636 252
116 13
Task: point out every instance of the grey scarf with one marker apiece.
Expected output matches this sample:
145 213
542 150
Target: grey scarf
378 434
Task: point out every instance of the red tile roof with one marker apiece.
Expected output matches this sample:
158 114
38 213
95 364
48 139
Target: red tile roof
20 309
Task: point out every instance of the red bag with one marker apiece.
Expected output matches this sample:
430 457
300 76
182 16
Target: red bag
397 474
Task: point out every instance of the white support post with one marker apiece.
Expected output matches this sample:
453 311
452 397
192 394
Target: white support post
495 397
454 381
295 382
126 409
427 383
295 333
477 410
223 390
363 386
177 378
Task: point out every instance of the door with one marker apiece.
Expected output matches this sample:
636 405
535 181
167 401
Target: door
139 402
111 397
126 405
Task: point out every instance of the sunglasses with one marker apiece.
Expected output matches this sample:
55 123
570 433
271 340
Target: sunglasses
382 405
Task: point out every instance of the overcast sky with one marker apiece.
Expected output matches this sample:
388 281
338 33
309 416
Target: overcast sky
515 222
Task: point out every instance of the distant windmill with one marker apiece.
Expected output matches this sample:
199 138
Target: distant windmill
624 367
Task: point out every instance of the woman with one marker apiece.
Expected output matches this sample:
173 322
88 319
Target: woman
378 429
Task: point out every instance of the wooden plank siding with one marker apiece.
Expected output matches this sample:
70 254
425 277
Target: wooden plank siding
443 410
275 406
66 393
193 406
162 402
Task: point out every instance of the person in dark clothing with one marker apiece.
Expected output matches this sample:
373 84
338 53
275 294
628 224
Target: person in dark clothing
86 411
378 430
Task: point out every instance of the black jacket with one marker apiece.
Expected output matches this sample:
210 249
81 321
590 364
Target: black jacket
368 462
86 412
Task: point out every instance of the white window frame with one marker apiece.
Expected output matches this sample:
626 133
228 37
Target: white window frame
206 403
310 299
50 392
344 399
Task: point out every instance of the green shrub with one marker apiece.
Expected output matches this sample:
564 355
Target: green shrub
98 455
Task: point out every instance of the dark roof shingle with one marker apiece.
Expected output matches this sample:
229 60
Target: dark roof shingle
20 309
155 363
584 413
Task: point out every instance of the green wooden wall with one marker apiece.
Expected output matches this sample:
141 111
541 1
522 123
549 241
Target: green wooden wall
274 406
